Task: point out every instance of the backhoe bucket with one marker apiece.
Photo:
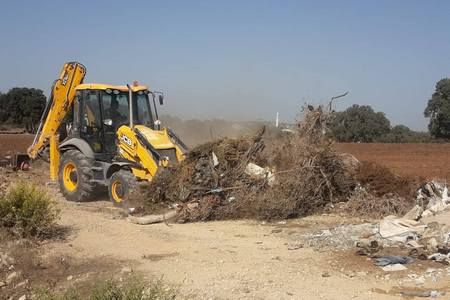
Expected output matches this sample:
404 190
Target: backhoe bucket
20 161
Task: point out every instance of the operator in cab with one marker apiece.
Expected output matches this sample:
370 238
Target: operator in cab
114 114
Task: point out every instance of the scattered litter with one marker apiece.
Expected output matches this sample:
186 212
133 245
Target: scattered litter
259 172
414 244
294 246
394 268
368 249
400 230
439 257
423 294
434 196
215 159
392 260
343 237
231 199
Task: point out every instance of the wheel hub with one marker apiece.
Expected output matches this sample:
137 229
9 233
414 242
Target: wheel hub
70 177
118 191
73 176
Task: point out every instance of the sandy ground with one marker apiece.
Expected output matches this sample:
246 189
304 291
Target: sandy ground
229 260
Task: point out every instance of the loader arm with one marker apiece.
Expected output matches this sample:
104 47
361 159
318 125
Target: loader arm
59 103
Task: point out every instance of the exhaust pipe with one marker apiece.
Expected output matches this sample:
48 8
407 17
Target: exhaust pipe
130 95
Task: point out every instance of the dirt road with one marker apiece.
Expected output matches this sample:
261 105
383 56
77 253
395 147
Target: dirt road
226 260
223 260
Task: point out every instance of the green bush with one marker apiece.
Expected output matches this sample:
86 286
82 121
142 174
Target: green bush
27 211
133 288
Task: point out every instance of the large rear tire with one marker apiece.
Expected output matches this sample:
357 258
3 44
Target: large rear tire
121 185
75 176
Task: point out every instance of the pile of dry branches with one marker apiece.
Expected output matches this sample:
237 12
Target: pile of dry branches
210 179
310 173
363 203
212 183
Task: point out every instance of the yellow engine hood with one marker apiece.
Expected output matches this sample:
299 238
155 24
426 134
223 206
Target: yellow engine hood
157 138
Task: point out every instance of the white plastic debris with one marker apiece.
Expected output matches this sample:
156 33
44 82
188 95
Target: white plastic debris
231 199
439 257
215 159
400 230
259 172
394 268
437 196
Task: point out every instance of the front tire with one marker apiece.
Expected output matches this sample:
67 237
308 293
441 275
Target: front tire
75 176
121 185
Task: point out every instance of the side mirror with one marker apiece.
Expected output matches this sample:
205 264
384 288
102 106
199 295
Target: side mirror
161 99
108 122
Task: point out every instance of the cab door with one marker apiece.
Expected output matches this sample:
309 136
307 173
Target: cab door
115 111
91 125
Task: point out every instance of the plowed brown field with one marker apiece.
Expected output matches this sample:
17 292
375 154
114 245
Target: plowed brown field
13 143
426 160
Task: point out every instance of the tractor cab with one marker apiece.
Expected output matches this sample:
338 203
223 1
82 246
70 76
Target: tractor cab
100 110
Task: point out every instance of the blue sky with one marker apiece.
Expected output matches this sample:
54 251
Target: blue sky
242 60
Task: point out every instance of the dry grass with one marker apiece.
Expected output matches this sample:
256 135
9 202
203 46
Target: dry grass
133 288
380 180
362 203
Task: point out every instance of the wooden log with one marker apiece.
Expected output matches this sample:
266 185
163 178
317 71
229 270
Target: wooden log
152 219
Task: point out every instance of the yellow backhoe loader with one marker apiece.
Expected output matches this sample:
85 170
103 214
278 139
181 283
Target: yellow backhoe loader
99 135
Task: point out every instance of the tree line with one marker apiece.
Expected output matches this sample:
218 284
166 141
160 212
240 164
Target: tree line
360 123
23 107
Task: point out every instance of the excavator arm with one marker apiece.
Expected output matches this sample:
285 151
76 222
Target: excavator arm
58 105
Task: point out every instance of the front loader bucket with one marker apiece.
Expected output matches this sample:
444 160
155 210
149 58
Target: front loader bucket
20 161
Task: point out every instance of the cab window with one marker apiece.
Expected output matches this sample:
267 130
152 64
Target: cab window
91 125
143 114
115 107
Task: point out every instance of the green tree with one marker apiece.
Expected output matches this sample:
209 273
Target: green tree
438 110
3 115
403 134
22 107
359 123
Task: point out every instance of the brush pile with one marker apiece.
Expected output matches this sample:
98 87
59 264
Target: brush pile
381 192
214 182
209 179
223 179
310 173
